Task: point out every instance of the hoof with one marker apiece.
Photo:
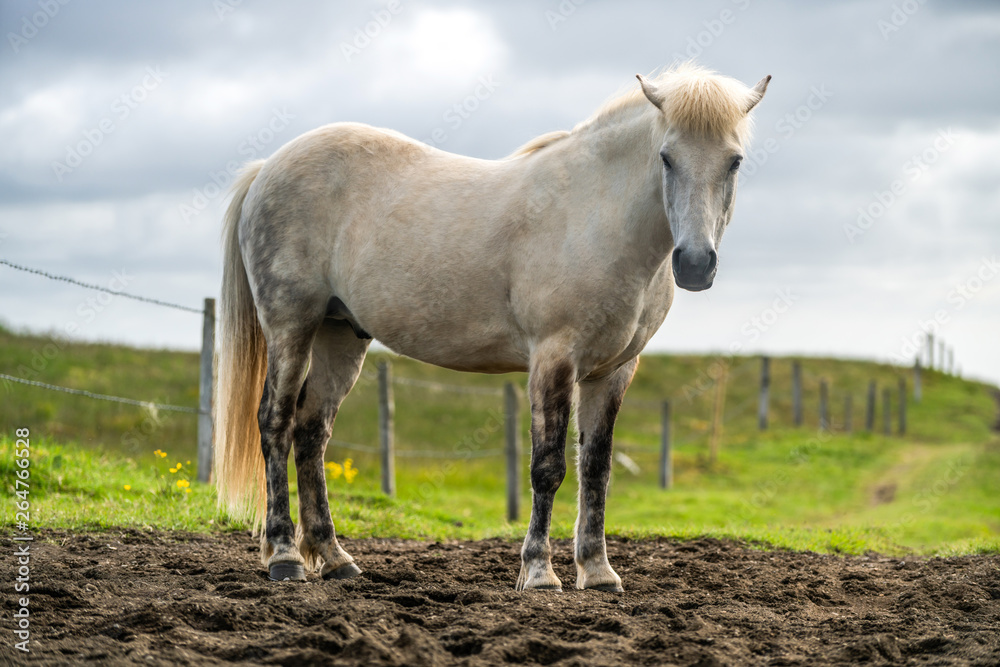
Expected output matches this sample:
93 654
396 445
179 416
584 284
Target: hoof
557 589
287 572
348 571
607 588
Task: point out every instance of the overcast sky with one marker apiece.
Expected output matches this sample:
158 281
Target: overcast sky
118 118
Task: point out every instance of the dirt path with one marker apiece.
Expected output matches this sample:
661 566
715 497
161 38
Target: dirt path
170 599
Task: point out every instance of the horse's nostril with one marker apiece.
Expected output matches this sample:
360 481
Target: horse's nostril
713 261
676 259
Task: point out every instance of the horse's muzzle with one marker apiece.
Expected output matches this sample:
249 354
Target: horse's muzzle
694 270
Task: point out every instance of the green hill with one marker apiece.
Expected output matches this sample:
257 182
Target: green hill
929 490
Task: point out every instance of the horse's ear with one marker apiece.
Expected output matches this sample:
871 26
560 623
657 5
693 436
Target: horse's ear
758 92
650 91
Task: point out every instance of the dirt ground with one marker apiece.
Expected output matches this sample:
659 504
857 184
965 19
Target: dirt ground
176 599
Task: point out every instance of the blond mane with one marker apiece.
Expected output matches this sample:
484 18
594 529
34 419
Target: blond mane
695 99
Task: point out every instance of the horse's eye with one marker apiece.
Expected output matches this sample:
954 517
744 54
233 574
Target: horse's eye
666 160
736 164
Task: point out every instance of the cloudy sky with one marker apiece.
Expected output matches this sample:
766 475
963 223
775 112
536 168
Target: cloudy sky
869 203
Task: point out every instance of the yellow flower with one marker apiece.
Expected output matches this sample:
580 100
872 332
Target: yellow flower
183 483
350 472
335 469
187 490
189 463
173 470
178 466
128 487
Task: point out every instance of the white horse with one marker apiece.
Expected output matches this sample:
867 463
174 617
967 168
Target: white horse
559 260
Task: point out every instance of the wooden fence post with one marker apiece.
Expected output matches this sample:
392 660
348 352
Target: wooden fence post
765 386
717 413
512 430
918 389
797 392
930 351
824 407
386 413
887 411
848 417
902 406
666 456
206 386
951 361
941 356
870 408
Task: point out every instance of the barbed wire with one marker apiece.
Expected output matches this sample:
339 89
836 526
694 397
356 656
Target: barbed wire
73 281
102 397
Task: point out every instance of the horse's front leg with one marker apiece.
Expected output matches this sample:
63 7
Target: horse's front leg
600 401
550 387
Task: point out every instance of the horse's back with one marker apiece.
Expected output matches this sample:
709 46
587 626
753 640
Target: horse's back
410 238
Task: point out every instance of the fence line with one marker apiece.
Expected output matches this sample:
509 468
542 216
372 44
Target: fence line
512 450
103 397
440 386
99 288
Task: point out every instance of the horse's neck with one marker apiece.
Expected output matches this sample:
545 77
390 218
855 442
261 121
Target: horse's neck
624 150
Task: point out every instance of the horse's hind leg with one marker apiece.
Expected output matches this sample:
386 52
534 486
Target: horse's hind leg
596 414
289 340
336 363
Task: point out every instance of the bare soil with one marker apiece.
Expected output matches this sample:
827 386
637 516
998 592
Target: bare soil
180 599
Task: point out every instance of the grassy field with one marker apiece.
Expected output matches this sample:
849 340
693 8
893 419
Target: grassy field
931 491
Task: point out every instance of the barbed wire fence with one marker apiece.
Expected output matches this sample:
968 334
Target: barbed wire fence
714 380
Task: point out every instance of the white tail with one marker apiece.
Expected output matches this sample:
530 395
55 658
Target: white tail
241 367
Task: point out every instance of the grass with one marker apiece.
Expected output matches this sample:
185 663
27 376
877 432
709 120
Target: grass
930 492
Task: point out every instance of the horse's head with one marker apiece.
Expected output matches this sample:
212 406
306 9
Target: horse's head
706 121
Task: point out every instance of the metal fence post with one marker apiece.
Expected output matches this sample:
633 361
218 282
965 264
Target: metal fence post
512 429
206 386
386 412
666 456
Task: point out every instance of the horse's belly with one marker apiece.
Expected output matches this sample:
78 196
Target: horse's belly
448 328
